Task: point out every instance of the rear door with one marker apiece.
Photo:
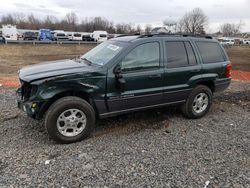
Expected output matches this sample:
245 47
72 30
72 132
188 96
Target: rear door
181 67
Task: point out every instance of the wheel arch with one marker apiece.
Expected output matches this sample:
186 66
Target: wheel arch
209 83
76 93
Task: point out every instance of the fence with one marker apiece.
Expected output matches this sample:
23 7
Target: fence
34 42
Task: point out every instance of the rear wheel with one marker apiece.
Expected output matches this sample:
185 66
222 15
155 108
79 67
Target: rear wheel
70 119
198 102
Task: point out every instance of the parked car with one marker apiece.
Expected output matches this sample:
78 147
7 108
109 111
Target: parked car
2 40
45 34
60 35
99 36
246 41
124 75
29 35
227 42
9 32
75 37
19 36
87 37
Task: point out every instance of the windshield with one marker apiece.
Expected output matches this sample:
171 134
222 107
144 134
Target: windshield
104 52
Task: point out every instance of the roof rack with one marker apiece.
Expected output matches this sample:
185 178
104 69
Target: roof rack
175 35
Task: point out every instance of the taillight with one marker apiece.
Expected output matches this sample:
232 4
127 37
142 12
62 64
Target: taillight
229 71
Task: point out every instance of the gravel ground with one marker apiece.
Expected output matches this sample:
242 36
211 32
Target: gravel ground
156 148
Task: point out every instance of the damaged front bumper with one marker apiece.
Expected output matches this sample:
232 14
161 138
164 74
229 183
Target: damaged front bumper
31 108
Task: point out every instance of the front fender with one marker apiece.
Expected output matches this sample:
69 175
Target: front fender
46 93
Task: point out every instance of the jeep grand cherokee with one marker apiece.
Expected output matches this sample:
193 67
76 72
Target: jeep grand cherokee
122 75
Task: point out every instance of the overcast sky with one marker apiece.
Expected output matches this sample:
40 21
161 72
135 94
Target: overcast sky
136 11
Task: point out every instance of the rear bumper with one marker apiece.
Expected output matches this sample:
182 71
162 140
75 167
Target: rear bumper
222 84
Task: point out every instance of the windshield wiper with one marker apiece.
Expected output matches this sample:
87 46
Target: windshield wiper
87 61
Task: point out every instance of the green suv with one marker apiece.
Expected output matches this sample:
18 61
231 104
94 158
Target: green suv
123 75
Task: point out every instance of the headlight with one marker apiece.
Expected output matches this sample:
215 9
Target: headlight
33 90
28 90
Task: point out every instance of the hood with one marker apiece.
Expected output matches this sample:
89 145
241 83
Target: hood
53 68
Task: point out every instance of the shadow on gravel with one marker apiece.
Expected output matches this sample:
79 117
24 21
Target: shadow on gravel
136 122
241 98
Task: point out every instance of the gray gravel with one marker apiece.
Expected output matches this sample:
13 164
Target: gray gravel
157 148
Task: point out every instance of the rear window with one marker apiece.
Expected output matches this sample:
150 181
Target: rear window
176 55
102 35
60 35
77 35
210 52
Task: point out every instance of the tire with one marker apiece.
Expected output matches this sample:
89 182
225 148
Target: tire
70 119
196 105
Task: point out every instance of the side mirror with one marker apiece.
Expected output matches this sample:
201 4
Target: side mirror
117 70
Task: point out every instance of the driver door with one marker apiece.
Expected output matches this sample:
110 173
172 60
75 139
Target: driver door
143 76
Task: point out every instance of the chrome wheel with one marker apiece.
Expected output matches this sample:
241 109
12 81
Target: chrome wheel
71 122
200 103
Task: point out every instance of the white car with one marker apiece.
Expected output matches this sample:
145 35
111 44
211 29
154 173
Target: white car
60 35
227 42
246 41
75 36
100 36
9 32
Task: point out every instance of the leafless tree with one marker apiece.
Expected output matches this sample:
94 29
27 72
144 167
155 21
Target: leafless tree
231 29
69 23
33 22
8 19
148 28
138 29
193 22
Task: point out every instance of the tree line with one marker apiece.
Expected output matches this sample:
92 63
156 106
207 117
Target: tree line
69 23
195 22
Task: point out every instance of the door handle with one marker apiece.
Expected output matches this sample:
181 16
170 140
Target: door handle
155 76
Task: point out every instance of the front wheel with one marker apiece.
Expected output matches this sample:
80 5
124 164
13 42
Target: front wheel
70 119
198 103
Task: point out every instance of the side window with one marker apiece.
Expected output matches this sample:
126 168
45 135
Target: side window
191 56
176 55
144 56
210 52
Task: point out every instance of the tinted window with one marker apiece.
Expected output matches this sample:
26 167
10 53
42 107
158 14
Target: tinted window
77 35
191 55
176 55
210 52
144 56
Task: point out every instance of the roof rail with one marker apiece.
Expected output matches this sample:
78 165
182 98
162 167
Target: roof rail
127 35
175 35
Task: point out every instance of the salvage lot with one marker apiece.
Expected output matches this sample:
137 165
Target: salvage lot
157 148
154 148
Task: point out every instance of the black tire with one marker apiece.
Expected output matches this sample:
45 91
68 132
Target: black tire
62 105
188 109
